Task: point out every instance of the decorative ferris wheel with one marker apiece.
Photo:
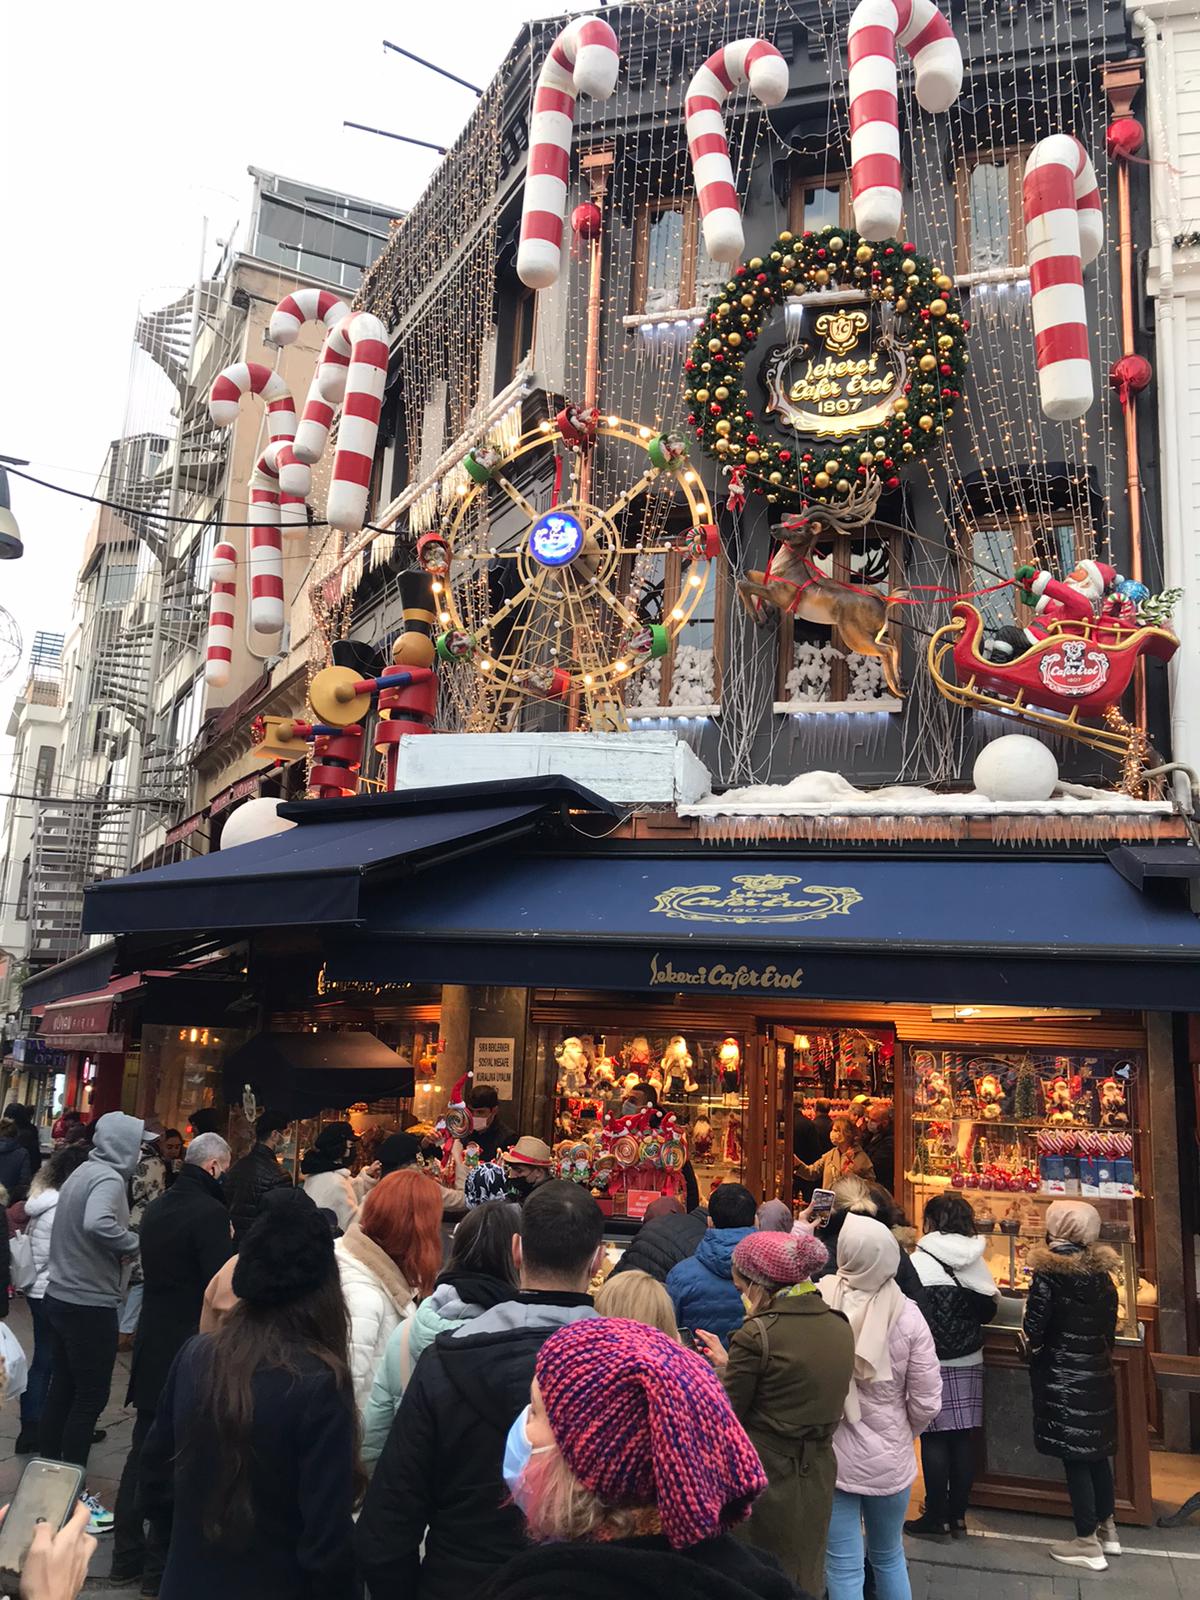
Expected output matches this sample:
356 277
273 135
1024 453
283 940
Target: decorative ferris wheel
566 600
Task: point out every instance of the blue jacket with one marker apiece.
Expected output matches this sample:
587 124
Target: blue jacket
701 1287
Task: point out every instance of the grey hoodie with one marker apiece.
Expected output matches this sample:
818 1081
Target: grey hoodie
91 1222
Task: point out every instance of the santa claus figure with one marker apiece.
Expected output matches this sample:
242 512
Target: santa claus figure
1086 594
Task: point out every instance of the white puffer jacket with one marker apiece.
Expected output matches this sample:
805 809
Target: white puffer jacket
377 1296
39 1209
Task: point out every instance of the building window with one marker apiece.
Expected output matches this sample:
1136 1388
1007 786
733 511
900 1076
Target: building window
688 677
816 666
819 200
43 775
672 271
994 547
991 228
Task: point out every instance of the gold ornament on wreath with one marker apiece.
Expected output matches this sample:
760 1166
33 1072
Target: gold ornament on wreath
543 606
928 330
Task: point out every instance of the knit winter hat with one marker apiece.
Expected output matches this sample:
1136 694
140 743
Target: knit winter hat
641 1421
287 1253
777 1260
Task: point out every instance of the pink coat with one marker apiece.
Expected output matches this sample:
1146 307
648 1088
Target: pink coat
875 1455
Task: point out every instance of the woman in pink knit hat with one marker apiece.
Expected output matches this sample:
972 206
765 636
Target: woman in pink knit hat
631 1468
786 1373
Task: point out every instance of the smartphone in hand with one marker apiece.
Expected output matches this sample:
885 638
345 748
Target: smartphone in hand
47 1492
820 1207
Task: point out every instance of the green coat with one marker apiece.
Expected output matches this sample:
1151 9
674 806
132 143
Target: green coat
788 1372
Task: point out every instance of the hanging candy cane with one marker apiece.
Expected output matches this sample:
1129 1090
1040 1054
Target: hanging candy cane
288 317
266 545
1064 229
583 60
346 506
251 377
218 657
877 29
751 61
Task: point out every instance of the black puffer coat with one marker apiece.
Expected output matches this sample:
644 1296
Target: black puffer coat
956 1306
1071 1324
662 1243
248 1184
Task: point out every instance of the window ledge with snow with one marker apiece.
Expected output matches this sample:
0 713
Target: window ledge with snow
669 314
667 713
886 703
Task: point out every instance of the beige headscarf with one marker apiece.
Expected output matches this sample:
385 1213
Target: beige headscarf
1072 1222
864 1290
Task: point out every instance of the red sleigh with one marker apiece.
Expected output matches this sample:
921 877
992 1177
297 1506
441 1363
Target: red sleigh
1078 672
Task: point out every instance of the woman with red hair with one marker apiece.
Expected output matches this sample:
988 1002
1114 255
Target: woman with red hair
387 1259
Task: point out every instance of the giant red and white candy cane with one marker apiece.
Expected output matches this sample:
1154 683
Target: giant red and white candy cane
288 317
346 505
266 544
222 576
583 60
1064 229
877 29
251 377
751 61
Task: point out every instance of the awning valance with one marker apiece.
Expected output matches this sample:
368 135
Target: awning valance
302 1074
938 930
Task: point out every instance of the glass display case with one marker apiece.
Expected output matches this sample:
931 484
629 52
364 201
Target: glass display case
1014 1130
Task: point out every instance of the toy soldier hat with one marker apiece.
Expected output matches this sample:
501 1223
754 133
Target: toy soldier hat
529 1152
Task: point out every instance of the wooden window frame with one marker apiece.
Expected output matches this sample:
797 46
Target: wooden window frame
839 671
1029 530
818 180
1014 157
647 213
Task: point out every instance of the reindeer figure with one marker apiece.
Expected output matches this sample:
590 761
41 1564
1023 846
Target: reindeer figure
792 584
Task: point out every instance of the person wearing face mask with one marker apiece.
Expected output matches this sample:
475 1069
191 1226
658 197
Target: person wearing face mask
438 1521
252 1178
527 1166
637 1099
327 1180
487 1130
845 1156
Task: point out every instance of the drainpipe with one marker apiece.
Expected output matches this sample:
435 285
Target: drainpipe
1173 405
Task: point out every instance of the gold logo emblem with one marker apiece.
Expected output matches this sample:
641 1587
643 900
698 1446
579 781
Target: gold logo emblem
841 330
755 897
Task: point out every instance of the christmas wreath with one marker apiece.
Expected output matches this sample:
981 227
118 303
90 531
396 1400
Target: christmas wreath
929 327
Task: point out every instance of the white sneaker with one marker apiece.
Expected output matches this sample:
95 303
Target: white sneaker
1081 1553
101 1520
1110 1542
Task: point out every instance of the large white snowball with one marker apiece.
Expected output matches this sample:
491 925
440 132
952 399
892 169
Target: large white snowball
254 819
1015 767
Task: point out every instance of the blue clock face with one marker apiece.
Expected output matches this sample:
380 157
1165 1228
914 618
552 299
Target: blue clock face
555 539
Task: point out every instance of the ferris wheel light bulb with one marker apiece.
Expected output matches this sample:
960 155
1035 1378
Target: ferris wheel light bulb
443 616
643 433
622 666
436 587
689 477
485 666
677 614
611 421
694 580
587 677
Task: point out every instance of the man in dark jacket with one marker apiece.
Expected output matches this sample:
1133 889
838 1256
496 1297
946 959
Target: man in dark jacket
252 1178
702 1288
810 1140
880 1142
667 1236
185 1239
440 1476
488 1131
15 1167
27 1134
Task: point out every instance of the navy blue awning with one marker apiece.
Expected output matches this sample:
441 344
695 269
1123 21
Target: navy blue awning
313 874
81 974
941 930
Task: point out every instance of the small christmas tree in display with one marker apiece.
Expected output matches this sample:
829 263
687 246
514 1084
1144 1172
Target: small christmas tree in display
1025 1094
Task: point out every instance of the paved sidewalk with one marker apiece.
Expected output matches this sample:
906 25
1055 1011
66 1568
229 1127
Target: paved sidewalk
1005 1559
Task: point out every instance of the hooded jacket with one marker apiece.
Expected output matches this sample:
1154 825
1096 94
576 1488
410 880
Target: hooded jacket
875 1455
441 1466
91 1227
455 1300
662 1243
16 1170
40 1210
248 1184
701 1288
378 1297
623 1569
960 1295
1071 1325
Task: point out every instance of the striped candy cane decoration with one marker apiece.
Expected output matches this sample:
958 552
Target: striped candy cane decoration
218 656
877 29
266 545
288 317
583 60
751 61
346 506
1064 229
251 377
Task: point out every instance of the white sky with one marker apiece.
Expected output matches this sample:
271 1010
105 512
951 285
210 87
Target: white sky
122 127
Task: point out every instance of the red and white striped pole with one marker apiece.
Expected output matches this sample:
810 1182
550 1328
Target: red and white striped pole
266 546
744 61
287 319
346 505
218 655
584 59
1064 230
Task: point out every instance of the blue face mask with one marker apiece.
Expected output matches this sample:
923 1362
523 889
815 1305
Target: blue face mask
518 1453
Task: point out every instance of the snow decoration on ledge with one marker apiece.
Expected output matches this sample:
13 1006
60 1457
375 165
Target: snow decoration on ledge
694 680
646 690
812 667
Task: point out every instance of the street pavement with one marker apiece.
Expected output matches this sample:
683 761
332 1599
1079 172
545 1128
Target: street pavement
1005 1558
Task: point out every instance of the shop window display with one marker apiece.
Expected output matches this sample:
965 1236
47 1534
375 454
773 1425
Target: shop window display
1014 1130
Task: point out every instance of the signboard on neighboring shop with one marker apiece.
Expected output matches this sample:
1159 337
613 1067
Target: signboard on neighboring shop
36 1052
492 1063
185 829
89 1016
241 790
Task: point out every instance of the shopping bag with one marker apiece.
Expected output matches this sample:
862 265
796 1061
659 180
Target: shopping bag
15 1366
21 1265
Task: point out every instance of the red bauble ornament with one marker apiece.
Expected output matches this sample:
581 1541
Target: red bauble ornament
893 483
715 408
1124 138
586 221
910 249
762 278
1129 376
751 438
945 369
785 455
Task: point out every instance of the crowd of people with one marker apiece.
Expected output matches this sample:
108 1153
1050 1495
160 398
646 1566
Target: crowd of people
364 1380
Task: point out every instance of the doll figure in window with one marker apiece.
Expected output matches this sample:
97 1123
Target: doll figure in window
604 1075
933 1095
676 1068
1088 594
637 1057
1113 1112
731 1150
729 1065
702 1138
1059 1108
572 1067
990 1096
